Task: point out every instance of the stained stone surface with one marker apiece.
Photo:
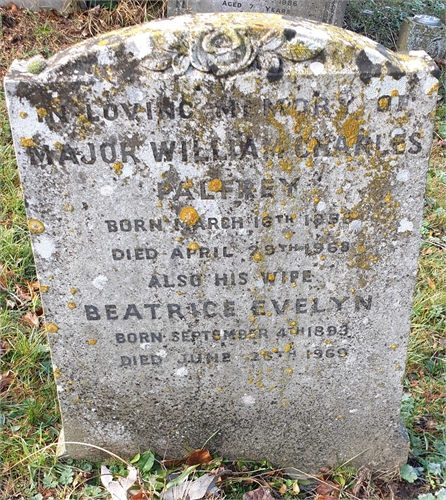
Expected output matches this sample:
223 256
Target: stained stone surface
225 214
327 11
416 36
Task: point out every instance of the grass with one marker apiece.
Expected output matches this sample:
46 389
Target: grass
380 20
29 416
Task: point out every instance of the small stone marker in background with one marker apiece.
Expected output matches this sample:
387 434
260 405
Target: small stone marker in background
327 11
225 214
423 32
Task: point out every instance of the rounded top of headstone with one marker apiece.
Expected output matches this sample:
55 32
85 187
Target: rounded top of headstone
221 45
427 20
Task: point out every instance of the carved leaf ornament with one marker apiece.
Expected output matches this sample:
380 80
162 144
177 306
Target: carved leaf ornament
230 50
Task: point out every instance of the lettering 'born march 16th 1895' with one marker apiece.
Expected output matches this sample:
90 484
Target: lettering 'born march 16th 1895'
225 215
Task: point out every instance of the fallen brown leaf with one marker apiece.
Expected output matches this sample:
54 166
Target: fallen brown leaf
31 319
431 284
258 494
168 464
2 348
10 304
22 293
327 488
282 489
34 285
140 495
363 479
199 457
6 379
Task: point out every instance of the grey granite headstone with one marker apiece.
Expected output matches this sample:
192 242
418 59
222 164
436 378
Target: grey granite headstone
327 11
225 213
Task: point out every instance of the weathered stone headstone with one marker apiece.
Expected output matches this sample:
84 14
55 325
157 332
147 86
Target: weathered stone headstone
423 32
327 11
225 214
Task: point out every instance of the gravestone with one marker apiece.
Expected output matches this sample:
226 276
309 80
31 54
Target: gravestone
423 32
327 11
225 214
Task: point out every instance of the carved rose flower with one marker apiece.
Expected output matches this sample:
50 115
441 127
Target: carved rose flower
222 52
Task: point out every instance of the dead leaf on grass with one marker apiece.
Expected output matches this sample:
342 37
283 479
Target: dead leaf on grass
140 495
22 293
33 285
199 457
193 490
2 348
118 489
6 379
10 304
282 489
258 494
31 319
329 489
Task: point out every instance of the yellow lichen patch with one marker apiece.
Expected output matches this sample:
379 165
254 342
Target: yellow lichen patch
274 349
383 103
73 291
310 162
23 115
51 328
287 348
193 246
117 167
219 389
71 305
388 198
189 216
56 373
361 249
83 120
394 93
288 371
188 184
288 235
269 313
271 277
102 43
41 112
312 145
92 342
215 185
322 257
58 145
393 347
433 89
44 288
257 257
68 207
27 143
250 380
35 226
350 129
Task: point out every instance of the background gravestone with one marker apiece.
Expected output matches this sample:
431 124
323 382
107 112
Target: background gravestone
327 11
225 214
